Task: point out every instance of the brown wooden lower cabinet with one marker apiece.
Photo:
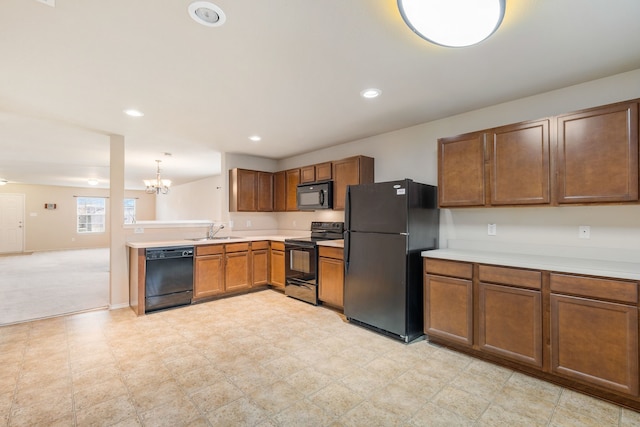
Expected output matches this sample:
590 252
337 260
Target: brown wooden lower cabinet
510 323
331 276
209 271
595 342
277 273
259 263
448 308
237 273
579 331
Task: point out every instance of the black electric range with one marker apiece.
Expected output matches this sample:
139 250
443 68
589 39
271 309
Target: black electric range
301 260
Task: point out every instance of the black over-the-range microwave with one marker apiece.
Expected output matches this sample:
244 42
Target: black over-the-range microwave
318 195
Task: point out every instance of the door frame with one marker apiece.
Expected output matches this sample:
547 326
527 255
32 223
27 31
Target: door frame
22 220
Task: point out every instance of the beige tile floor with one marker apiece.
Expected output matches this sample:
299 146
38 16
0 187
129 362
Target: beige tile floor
262 359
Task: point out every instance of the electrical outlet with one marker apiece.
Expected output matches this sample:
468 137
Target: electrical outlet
294 222
230 224
248 223
492 229
584 232
138 230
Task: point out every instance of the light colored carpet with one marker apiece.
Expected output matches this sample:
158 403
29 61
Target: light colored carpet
47 284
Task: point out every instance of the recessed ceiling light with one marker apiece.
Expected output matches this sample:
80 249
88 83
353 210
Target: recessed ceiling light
255 138
206 13
370 93
93 181
134 113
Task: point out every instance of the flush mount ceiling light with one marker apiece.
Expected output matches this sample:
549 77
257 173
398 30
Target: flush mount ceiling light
92 181
206 13
133 113
255 138
3 182
157 185
370 93
453 23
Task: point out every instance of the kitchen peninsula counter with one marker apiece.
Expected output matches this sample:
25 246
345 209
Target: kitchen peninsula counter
222 240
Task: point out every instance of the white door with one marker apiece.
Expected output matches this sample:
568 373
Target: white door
11 223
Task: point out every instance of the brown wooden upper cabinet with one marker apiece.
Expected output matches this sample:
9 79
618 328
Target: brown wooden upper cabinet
292 181
280 191
314 173
519 164
250 191
597 157
350 171
591 158
461 164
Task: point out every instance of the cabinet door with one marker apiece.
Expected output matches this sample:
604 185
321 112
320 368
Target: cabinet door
279 191
260 267
461 163
448 308
351 171
323 171
209 276
331 281
293 179
595 342
265 192
597 157
511 323
246 190
237 271
277 269
519 164
307 174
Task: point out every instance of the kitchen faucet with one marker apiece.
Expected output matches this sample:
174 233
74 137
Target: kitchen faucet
212 232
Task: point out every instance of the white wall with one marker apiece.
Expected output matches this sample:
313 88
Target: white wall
198 200
412 153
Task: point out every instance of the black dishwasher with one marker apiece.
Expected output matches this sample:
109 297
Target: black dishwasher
169 277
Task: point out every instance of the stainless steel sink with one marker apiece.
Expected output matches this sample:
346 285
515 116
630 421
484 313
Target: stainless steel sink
202 239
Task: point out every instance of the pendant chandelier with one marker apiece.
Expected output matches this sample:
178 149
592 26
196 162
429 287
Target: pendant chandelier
157 185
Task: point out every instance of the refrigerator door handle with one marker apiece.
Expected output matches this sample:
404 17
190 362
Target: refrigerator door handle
347 250
347 209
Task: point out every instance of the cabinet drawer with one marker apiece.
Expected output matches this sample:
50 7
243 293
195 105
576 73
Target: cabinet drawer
608 289
448 268
237 247
277 246
510 276
330 252
209 250
255 246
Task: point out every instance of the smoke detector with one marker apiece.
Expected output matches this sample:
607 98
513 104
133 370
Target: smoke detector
206 13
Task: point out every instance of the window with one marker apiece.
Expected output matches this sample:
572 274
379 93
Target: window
91 214
129 211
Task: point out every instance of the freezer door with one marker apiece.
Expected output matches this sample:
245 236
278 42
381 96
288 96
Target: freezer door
376 281
381 207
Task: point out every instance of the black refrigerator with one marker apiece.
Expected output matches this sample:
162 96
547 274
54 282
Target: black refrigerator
387 226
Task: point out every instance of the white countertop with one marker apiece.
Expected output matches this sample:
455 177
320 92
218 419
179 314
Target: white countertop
593 267
332 243
187 242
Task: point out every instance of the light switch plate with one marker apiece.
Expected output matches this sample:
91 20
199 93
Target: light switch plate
492 229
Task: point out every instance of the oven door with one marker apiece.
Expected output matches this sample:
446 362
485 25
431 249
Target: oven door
300 272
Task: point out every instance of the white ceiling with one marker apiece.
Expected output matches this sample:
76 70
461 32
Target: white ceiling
288 70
